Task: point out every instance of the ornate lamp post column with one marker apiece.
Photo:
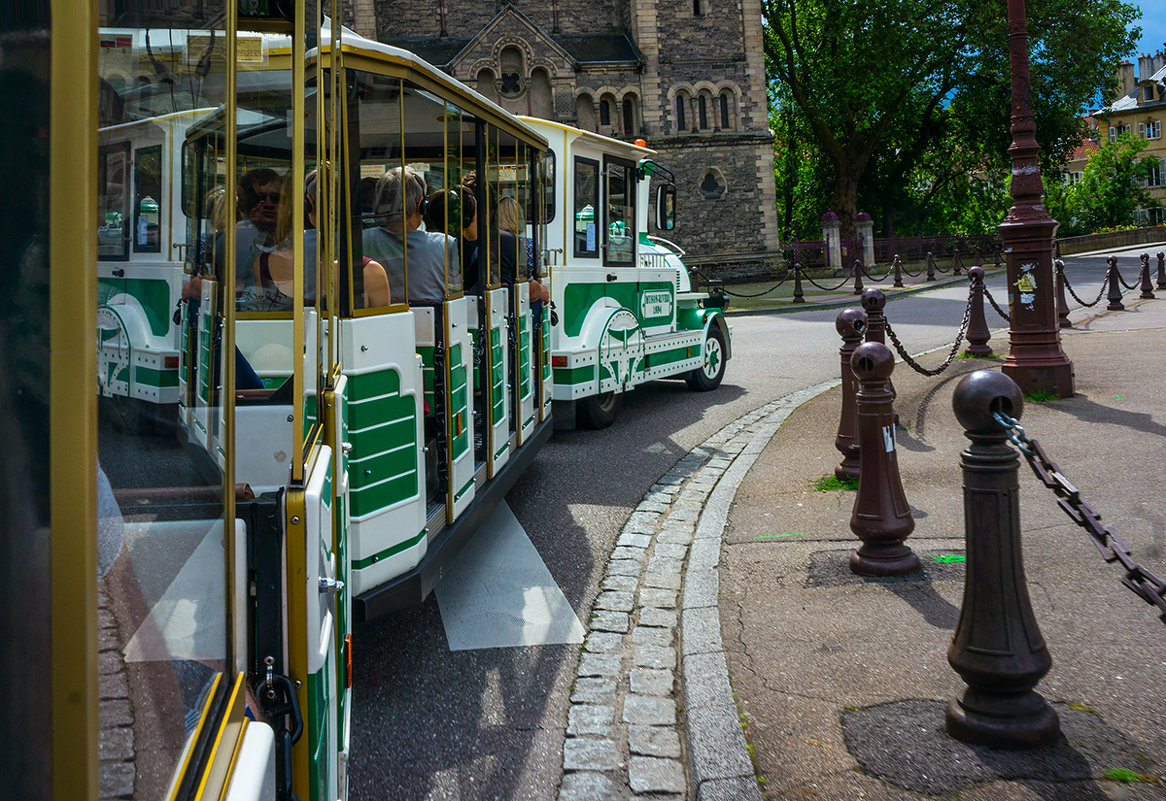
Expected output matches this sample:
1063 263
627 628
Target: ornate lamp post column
1035 360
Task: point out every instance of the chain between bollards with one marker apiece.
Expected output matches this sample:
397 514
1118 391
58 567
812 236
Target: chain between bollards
997 647
1060 265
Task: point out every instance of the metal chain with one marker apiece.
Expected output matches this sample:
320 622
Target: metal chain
1147 586
950 356
845 281
996 305
870 277
759 294
1068 286
1123 281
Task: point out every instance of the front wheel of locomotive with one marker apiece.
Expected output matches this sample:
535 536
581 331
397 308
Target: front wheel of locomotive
709 375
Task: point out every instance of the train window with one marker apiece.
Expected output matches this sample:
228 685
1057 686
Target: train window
548 186
620 213
113 201
586 202
148 199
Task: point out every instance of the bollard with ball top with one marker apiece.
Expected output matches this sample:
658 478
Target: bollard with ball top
930 266
1147 286
997 647
1062 301
857 276
978 333
898 271
1114 294
799 295
1161 270
881 517
851 325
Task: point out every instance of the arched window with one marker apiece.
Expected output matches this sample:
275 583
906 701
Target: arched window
585 111
629 115
605 112
725 124
486 83
681 102
542 101
702 112
712 185
698 8
510 65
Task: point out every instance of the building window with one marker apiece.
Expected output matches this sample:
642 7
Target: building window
702 112
724 111
1154 176
629 115
713 185
1148 92
1117 130
604 112
1153 129
698 8
681 122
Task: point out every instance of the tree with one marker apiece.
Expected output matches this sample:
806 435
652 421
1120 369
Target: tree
885 86
1110 190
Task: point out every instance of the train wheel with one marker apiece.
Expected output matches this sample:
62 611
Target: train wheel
598 411
708 375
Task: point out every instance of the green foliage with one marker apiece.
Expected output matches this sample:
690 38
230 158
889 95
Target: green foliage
901 107
1124 776
1041 396
1109 191
831 483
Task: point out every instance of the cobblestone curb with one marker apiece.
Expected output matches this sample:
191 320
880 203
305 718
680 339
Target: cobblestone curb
624 733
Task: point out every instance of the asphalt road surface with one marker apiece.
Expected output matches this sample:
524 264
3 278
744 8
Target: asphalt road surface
429 723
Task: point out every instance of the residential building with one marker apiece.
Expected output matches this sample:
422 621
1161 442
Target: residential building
1141 111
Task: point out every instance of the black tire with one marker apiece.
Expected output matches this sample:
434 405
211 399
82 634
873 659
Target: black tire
129 416
598 411
708 376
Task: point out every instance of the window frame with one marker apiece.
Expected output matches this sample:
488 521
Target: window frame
631 191
126 151
575 251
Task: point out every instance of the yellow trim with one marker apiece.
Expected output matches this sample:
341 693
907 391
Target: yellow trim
297 190
235 758
72 399
295 524
606 141
227 739
188 747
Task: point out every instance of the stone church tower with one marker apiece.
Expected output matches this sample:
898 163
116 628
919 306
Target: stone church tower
686 75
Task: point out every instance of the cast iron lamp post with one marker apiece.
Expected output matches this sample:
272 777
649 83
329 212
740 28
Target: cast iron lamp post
1035 360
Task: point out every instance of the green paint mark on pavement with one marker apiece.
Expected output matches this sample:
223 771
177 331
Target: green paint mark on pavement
951 557
771 536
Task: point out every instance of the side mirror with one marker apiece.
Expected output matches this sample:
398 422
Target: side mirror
666 207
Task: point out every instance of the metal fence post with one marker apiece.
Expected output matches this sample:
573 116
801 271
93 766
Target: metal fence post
881 517
851 325
978 333
997 647
1147 285
1114 296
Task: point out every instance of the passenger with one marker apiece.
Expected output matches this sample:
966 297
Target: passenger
258 198
400 237
450 210
510 222
273 272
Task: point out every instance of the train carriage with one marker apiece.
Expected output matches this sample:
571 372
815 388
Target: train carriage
336 271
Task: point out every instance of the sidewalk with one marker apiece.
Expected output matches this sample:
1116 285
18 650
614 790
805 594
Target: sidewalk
841 681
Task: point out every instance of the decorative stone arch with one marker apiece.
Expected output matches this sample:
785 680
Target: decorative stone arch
517 42
703 108
585 110
609 108
712 184
631 114
513 69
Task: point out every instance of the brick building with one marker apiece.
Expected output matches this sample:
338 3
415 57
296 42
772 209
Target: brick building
686 75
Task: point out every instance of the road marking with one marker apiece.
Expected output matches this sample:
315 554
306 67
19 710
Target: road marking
499 593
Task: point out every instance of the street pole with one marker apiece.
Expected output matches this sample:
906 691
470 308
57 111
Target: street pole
1035 360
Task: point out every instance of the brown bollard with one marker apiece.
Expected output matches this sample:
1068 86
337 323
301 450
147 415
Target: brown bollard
858 276
851 325
1114 296
956 262
1161 270
1062 301
1147 285
997 647
899 271
930 266
978 333
874 300
799 295
881 517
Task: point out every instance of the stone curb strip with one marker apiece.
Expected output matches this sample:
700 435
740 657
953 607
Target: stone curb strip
624 727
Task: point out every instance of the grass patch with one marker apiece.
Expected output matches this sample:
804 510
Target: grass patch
1080 708
1123 776
1041 396
967 355
832 483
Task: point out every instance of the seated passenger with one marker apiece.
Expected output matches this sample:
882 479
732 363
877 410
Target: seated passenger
509 222
273 273
399 238
452 211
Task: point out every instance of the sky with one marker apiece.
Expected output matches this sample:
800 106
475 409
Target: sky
1153 24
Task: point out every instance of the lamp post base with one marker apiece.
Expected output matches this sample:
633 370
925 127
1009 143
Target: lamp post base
880 560
1055 378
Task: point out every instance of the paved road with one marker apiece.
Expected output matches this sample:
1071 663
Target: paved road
436 724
